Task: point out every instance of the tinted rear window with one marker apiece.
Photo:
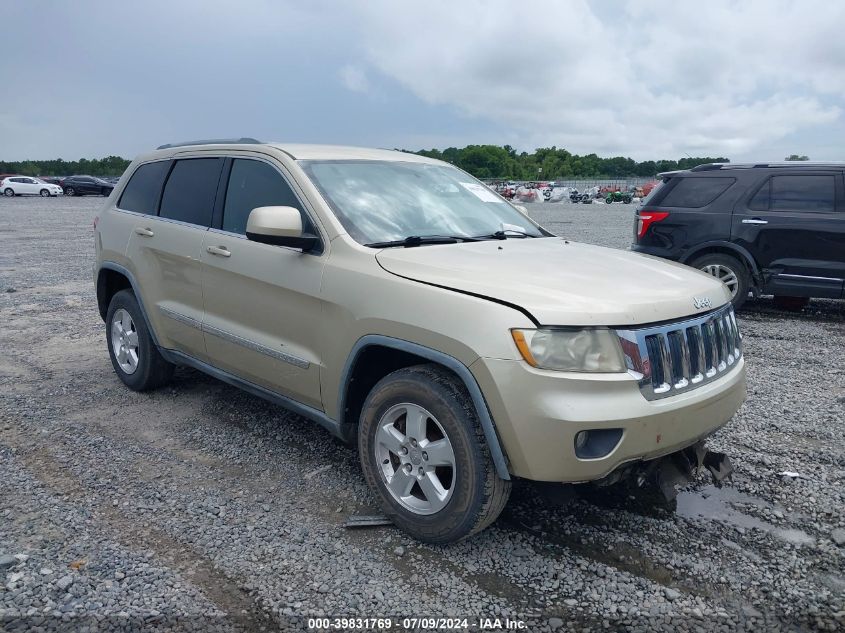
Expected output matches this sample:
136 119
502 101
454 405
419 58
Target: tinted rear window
695 192
796 193
190 191
143 189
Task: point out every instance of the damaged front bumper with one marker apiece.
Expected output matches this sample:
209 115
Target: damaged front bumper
673 470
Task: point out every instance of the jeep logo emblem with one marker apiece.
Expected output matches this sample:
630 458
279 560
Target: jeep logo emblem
701 302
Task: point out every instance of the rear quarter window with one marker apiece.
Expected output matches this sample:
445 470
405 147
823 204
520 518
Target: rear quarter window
144 188
695 192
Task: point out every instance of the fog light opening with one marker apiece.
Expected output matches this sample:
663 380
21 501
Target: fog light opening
596 443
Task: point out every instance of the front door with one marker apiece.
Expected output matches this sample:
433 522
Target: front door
262 307
794 226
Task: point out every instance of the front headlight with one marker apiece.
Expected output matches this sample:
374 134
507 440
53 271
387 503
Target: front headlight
571 350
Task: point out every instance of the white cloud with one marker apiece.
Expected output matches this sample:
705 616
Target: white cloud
354 78
658 78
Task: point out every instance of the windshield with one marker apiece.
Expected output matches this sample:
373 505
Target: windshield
382 201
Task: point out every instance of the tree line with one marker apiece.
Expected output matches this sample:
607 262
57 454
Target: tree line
109 166
549 163
482 161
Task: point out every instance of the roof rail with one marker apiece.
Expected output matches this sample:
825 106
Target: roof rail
709 166
786 164
244 140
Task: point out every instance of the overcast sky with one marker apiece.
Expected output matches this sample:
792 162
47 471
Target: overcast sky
642 78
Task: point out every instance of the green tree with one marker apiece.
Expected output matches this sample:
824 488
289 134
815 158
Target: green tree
796 157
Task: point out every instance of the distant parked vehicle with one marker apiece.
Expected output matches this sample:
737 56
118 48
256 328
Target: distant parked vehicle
557 194
86 185
618 196
53 180
26 186
525 194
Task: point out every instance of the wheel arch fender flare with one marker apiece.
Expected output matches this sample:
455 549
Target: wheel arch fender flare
441 358
729 248
108 265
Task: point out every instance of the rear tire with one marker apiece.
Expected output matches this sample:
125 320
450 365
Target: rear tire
9 192
730 271
134 355
608 200
467 496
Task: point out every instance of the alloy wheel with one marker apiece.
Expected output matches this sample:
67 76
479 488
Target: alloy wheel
415 458
124 341
723 274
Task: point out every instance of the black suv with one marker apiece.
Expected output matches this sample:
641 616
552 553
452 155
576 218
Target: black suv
773 228
82 185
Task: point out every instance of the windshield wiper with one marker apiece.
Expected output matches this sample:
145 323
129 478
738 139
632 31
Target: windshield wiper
420 240
504 234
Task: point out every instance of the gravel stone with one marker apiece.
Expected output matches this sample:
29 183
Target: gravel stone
7 561
671 594
64 582
838 536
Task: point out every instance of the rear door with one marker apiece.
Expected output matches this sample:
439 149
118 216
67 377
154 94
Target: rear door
793 223
262 306
166 249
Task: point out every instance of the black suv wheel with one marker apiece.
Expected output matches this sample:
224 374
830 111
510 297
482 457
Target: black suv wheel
730 271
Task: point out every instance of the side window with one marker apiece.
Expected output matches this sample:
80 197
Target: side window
143 189
803 193
190 191
760 201
696 192
252 184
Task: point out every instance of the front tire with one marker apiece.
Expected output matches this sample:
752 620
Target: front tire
423 453
134 355
69 191
730 271
44 193
608 200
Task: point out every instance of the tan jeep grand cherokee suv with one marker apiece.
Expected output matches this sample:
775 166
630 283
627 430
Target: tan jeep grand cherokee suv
399 303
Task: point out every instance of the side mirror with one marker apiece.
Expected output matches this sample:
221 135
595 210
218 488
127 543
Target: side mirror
281 226
521 209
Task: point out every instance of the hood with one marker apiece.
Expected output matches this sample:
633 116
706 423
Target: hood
562 282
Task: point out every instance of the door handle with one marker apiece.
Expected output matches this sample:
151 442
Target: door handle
755 221
140 230
221 251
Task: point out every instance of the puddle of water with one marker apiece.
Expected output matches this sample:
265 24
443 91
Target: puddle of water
716 504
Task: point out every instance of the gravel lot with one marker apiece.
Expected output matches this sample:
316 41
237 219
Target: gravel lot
199 507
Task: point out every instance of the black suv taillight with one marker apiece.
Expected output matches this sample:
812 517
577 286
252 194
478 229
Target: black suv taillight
646 218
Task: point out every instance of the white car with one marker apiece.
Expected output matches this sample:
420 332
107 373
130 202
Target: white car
26 186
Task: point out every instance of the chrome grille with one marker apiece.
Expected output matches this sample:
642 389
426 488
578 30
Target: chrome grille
677 357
